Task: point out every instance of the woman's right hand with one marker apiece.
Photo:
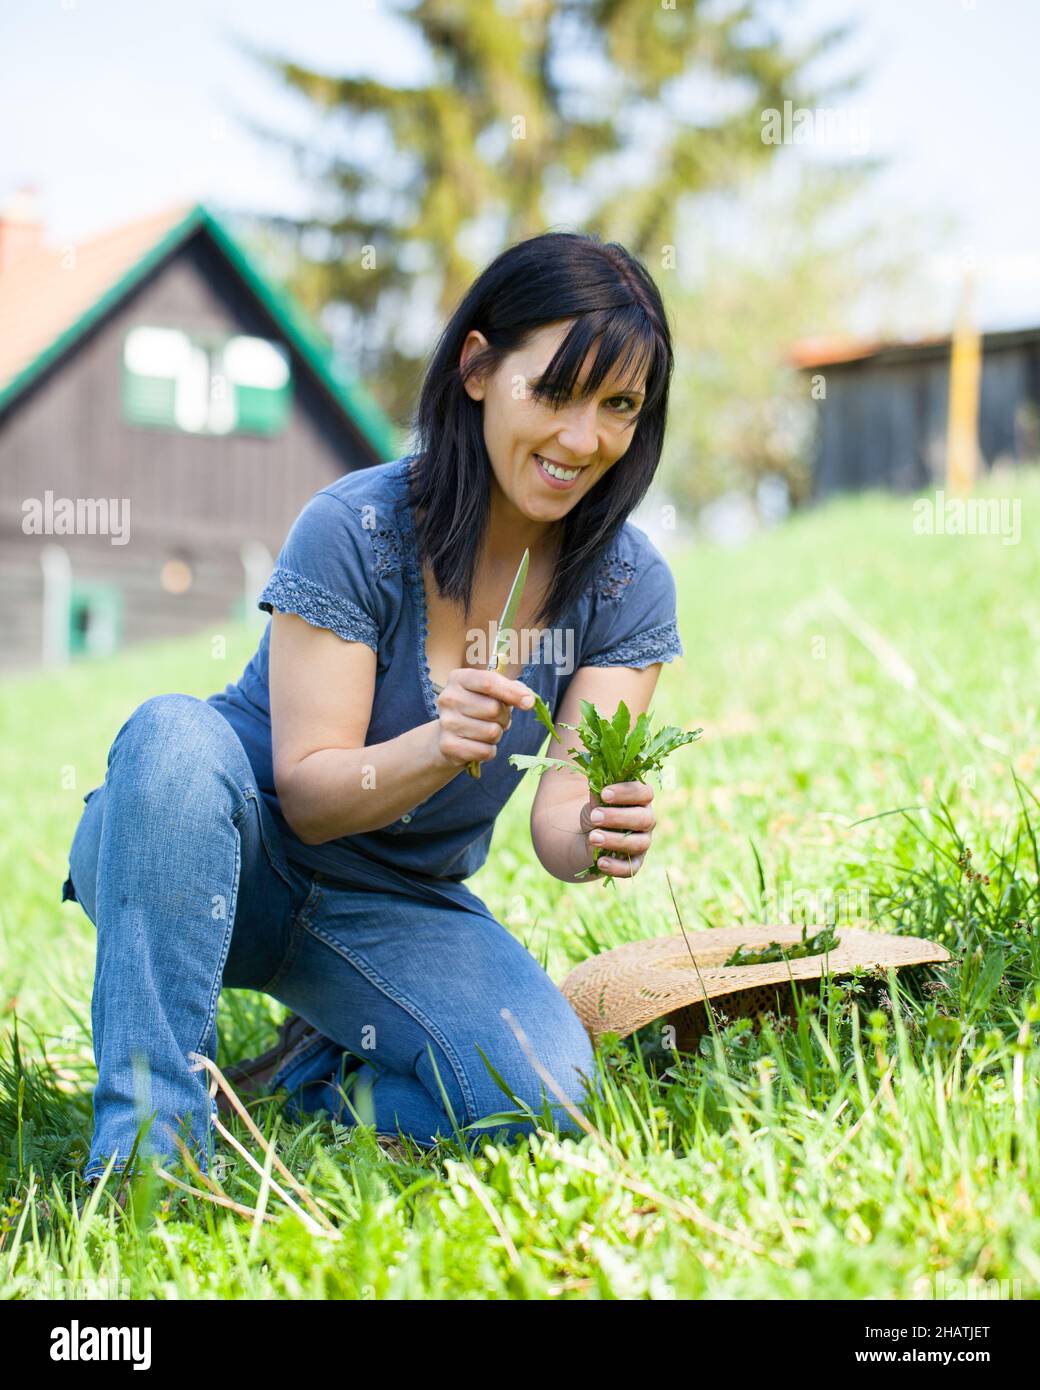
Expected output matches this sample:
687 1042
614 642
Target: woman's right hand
475 709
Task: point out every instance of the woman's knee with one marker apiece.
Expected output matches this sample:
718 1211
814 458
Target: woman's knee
163 720
179 737
542 1052
83 851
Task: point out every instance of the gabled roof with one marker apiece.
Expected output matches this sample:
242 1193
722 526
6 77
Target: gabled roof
838 350
51 298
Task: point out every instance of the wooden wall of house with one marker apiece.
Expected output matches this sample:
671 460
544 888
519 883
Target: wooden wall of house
1009 404
191 496
880 426
883 421
216 596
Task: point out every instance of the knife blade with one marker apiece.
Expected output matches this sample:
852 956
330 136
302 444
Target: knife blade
506 624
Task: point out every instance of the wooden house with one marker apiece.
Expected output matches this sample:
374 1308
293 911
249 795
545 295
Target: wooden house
882 409
165 412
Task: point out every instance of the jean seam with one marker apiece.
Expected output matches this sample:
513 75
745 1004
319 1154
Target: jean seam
403 1002
229 926
251 794
288 1065
296 930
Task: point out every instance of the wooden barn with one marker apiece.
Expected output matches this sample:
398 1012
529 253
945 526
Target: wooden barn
882 409
165 412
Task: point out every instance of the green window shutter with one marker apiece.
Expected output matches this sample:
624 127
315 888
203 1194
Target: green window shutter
262 412
153 359
259 373
148 400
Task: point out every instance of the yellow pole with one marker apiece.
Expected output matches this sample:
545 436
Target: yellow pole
962 426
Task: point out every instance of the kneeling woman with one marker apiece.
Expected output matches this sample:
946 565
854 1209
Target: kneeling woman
307 831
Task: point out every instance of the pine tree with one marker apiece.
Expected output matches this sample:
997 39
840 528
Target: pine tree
616 110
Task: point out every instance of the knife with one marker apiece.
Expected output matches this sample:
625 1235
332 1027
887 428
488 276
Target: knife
499 658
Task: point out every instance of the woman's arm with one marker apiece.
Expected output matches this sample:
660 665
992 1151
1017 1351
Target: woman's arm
329 782
562 807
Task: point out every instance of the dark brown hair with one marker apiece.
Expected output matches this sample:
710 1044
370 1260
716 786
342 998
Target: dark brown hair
617 309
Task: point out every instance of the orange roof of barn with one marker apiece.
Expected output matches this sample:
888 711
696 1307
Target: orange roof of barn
45 292
810 353
821 350
828 350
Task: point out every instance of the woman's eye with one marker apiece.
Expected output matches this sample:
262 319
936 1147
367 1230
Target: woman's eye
628 404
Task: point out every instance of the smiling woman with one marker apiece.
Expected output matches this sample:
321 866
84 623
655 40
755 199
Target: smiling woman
306 831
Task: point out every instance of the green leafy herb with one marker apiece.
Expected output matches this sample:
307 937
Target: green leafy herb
614 750
824 940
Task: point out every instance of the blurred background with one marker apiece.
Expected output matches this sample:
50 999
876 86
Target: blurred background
229 234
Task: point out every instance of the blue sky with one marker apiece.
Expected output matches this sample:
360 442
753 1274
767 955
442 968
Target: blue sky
114 108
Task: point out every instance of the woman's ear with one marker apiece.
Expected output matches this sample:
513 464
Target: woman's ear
475 385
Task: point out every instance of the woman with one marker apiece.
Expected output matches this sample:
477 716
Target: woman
306 832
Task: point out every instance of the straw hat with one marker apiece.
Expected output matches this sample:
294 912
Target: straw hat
630 986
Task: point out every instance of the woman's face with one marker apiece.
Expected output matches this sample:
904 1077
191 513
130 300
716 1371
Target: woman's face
581 440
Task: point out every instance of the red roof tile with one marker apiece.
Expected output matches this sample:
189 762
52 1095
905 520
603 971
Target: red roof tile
44 293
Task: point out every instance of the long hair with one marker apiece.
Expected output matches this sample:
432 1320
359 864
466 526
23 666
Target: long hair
618 310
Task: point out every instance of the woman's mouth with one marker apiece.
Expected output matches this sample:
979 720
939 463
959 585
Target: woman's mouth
558 477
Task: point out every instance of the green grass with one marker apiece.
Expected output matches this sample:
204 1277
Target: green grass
888 1138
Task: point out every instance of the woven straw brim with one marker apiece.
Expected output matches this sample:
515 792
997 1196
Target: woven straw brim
632 985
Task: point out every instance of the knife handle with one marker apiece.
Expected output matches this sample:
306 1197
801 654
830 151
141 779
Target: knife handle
474 768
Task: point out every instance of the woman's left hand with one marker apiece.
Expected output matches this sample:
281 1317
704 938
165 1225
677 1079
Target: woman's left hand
620 807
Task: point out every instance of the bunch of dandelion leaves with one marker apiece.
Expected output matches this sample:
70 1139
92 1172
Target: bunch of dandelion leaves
614 750
824 940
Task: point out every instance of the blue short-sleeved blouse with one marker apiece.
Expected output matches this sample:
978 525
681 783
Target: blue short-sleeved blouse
350 563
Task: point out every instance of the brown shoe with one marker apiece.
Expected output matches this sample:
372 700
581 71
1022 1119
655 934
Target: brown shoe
251 1077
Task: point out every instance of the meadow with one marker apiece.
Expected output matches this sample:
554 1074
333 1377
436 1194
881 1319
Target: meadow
868 700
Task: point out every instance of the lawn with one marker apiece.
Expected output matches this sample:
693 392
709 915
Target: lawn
868 699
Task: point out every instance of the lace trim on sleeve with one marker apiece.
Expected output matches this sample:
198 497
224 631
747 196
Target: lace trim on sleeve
388 547
292 593
656 644
614 575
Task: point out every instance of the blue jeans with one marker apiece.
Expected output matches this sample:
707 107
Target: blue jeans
179 865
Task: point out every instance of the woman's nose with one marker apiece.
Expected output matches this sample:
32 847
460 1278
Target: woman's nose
579 435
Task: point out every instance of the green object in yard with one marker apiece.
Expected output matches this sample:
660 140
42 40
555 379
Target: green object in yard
95 619
615 750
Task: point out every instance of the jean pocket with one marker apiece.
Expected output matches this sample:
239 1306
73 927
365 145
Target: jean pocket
269 838
305 902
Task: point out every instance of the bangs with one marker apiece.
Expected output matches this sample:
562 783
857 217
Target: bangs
625 343
613 328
